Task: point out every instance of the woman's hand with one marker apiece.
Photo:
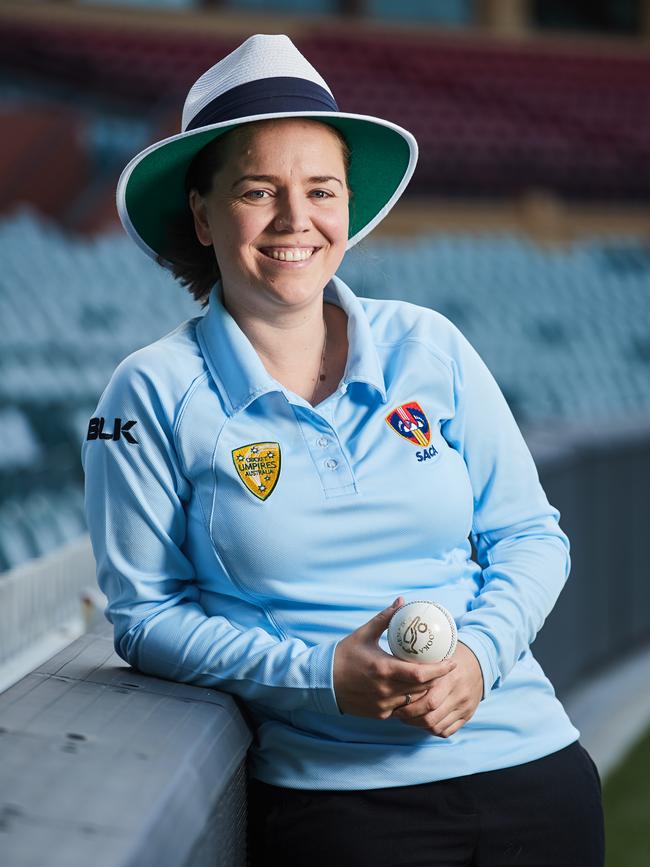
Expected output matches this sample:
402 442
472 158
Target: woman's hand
451 701
372 683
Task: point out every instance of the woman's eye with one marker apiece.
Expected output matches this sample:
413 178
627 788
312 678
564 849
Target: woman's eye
260 195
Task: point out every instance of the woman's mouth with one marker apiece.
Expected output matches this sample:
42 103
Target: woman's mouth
289 254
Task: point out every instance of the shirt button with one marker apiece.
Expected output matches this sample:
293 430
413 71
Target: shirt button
322 441
331 464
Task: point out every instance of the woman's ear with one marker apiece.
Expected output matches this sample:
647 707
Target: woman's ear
201 225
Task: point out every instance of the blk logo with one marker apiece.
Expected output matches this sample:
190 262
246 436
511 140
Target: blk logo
96 430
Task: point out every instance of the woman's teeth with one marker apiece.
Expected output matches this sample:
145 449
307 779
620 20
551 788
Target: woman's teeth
295 255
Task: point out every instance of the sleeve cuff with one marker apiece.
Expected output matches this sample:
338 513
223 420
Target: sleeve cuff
477 644
322 677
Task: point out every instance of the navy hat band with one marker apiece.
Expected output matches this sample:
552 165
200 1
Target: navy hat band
264 96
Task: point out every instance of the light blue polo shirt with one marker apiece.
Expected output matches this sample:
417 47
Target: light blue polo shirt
241 532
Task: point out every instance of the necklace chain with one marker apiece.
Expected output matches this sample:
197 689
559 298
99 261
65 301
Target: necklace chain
322 373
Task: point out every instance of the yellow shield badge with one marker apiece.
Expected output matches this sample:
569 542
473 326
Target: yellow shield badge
258 466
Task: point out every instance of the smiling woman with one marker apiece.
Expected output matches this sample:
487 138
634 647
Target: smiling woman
195 263
279 230
278 497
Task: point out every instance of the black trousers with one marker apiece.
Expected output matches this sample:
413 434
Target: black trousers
544 813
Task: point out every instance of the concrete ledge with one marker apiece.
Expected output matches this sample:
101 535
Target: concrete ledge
106 766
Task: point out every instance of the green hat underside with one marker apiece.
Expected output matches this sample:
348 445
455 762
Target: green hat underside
155 192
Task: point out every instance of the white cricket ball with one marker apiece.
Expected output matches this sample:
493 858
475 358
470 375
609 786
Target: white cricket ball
422 632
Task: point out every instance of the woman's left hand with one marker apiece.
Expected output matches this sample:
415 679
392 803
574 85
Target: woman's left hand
453 699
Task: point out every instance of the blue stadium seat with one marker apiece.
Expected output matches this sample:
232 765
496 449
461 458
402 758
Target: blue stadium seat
565 332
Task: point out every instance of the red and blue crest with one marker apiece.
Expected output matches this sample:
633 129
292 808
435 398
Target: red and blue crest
409 421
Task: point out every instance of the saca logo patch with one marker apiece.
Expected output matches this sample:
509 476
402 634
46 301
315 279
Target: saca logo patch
409 421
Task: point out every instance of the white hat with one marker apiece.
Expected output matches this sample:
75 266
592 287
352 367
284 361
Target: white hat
265 77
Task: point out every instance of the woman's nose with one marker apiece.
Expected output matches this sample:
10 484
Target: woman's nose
292 213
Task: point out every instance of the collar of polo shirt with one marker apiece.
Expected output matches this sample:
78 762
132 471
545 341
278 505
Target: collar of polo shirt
238 370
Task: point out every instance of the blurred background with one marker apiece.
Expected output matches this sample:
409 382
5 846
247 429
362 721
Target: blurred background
527 223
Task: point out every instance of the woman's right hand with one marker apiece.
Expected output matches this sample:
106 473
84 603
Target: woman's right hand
372 683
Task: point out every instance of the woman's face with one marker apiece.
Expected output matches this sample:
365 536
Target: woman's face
277 214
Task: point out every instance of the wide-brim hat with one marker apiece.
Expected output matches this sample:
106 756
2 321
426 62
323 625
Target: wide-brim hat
266 77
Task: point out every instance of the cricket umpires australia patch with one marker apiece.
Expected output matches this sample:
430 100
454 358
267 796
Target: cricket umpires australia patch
258 466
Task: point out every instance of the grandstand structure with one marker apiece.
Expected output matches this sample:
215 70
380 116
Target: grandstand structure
524 144
494 118
527 223
85 86
564 331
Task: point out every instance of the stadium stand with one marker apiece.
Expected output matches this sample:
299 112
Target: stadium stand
530 123
492 119
576 321
447 12
40 138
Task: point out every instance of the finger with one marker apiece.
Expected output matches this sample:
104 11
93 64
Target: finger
453 728
440 723
399 701
431 710
418 675
377 625
437 731
420 705
444 723
424 696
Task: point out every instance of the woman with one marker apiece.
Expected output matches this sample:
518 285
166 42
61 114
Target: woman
297 457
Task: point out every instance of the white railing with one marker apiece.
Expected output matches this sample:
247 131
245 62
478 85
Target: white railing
45 604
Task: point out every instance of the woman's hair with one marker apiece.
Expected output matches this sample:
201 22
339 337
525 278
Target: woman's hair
193 264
